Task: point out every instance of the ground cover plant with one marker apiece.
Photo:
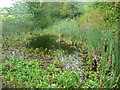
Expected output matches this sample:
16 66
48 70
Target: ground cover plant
61 45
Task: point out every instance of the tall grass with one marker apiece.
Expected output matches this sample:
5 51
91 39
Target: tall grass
15 26
94 38
97 39
65 29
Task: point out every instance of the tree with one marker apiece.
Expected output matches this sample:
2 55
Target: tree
43 13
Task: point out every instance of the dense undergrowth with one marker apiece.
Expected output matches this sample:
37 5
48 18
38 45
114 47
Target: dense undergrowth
72 46
44 67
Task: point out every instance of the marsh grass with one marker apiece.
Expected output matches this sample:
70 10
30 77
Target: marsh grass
67 29
99 40
95 39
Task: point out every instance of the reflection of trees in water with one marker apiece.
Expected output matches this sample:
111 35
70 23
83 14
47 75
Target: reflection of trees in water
49 42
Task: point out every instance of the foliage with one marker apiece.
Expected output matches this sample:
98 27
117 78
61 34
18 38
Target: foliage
43 13
70 10
42 32
17 20
35 76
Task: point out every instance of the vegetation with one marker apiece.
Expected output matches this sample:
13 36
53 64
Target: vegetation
61 45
